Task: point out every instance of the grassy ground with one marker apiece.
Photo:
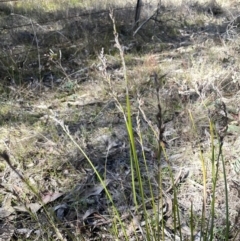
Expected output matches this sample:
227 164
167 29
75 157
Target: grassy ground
69 168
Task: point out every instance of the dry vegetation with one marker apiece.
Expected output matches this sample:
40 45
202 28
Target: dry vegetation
62 89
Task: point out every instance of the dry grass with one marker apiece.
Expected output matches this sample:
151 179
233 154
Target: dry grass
194 46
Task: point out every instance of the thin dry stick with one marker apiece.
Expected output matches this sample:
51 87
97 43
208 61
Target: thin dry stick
136 31
160 148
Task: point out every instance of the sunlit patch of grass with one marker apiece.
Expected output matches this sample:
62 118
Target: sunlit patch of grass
56 5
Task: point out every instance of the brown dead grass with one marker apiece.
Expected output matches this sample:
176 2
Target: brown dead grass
199 57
